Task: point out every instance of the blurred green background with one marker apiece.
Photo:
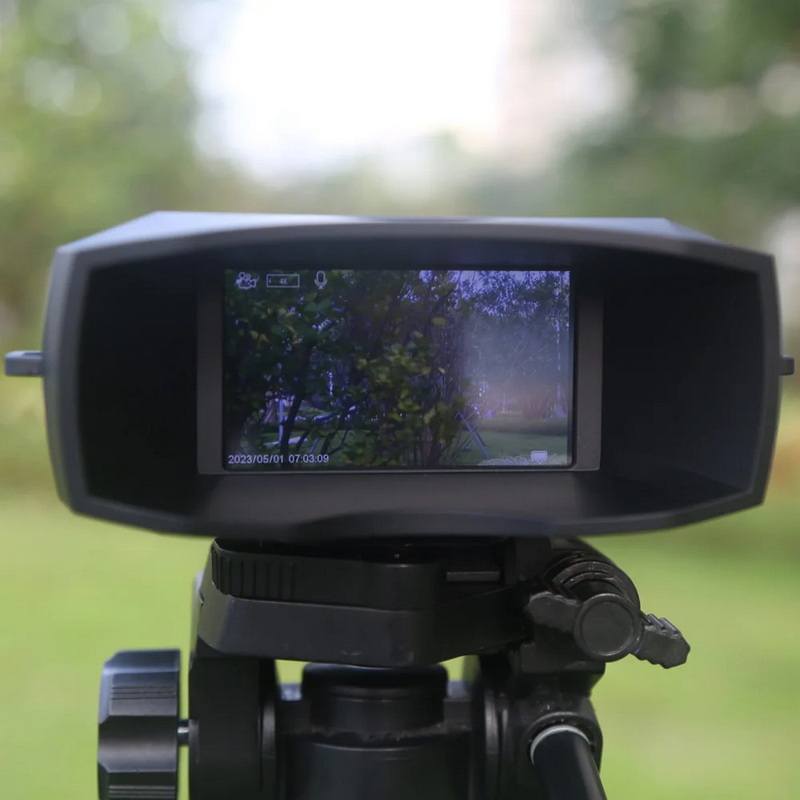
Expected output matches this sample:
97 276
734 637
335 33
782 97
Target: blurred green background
638 107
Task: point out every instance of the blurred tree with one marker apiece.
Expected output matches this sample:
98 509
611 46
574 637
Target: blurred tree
711 135
97 117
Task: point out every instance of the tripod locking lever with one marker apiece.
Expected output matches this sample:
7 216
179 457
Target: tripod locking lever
607 626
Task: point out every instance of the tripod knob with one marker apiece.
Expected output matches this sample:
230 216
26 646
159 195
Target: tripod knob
608 626
137 753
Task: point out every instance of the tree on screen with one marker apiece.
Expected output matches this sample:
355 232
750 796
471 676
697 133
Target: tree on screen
364 370
394 368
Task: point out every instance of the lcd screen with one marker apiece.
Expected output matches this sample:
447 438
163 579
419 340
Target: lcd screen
417 369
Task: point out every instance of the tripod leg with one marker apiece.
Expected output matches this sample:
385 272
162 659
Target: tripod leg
562 759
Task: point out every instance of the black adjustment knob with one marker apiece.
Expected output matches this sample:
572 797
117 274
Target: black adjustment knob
607 626
137 757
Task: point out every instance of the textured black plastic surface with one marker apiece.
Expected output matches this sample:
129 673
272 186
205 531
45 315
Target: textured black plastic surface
138 726
327 623
231 752
387 585
690 364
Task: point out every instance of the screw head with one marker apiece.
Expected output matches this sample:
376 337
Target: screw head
607 627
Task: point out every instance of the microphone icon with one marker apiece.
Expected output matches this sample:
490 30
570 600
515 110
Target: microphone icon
321 279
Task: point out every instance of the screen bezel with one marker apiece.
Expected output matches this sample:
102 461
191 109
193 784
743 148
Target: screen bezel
584 424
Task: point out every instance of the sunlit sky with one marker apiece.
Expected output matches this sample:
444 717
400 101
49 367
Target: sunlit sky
298 85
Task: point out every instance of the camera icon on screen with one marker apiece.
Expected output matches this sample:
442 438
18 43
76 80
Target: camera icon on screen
245 281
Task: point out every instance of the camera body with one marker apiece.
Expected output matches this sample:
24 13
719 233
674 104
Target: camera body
657 386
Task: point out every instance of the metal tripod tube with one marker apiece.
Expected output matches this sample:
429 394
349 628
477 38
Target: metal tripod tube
562 758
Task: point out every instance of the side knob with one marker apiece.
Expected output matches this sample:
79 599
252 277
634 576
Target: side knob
607 626
137 755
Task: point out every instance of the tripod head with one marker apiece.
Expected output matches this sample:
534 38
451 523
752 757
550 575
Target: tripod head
397 428
539 618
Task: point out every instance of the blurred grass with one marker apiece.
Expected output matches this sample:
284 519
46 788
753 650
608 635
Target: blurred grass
73 591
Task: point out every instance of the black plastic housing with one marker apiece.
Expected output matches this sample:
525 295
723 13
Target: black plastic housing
678 368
